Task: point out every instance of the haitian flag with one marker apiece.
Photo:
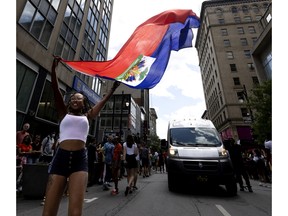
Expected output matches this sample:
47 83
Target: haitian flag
143 59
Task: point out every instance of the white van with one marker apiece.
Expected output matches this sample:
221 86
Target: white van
196 154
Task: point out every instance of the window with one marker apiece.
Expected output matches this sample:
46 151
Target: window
251 29
245 112
243 41
221 21
255 80
233 68
265 5
229 55
46 109
236 81
247 19
38 18
237 19
224 32
247 53
70 29
219 12
245 9
234 10
254 39
190 136
255 9
227 43
258 17
240 95
240 30
25 82
251 66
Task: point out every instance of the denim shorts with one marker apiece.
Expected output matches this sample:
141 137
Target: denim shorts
66 162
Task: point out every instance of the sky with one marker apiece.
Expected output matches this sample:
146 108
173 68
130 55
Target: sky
179 94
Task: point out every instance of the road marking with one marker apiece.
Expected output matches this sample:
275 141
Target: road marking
90 200
222 210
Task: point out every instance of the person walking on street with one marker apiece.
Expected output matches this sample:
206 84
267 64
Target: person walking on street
108 149
70 160
238 164
130 152
116 164
136 173
91 149
145 160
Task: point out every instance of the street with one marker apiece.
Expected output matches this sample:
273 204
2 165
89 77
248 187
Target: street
154 198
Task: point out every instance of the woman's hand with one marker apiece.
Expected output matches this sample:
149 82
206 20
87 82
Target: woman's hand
56 62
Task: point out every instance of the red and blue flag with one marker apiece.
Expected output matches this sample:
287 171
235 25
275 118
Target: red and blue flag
143 59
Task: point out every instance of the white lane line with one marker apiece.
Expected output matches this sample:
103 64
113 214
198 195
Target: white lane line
90 200
222 210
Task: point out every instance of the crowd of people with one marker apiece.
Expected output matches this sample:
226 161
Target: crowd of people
106 159
254 163
113 160
109 161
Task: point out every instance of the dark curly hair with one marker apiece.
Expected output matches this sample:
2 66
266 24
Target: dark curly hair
87 105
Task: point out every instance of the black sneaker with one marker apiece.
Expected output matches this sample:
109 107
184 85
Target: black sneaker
127 190
241 188
250 190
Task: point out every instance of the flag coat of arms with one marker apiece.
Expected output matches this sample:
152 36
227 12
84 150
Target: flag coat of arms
142 60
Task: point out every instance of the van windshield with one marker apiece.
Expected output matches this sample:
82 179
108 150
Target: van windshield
195 137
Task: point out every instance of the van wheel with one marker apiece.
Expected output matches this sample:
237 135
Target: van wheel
171 182
231 187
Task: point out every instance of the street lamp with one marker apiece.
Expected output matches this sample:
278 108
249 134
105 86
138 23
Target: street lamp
121 113
244 97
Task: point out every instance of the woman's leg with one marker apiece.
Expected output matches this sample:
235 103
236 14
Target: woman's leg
54 191
77 187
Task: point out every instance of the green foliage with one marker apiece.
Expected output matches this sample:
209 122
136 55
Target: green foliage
260 101
155 142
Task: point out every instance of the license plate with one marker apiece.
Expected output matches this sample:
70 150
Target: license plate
202 179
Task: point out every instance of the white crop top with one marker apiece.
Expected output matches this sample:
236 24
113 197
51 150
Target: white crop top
74 128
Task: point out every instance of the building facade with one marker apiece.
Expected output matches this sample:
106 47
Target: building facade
229 32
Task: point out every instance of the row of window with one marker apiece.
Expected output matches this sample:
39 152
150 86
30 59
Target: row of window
230 55
250 66
213 102
244 8
236 80
243 42
238 19
240 30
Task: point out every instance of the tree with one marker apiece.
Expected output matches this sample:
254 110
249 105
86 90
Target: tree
155 142
260 101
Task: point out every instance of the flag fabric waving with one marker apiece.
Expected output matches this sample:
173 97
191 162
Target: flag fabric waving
142 60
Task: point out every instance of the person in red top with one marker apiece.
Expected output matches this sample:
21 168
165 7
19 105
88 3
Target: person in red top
116 163
22 133
25 147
